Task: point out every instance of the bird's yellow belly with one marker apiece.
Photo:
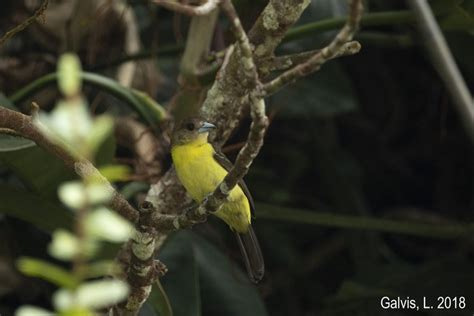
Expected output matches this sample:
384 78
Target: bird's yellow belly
200 174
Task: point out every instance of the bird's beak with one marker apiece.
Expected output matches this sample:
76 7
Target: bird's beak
206 127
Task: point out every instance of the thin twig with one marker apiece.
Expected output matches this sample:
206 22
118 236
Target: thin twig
244 43
287 61
24 126
9 34
444 63
314 63
203 9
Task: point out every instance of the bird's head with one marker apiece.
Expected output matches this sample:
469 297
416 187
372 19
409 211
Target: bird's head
191 130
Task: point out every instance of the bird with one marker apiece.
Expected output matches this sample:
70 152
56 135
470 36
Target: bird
201 168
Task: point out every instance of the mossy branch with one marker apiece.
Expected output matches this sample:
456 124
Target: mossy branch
334 48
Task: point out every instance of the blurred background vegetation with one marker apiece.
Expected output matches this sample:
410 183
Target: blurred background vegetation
363 187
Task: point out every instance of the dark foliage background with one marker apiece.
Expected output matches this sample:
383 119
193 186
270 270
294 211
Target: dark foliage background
374 134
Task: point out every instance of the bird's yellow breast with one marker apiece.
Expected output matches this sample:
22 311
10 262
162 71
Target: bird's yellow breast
200 174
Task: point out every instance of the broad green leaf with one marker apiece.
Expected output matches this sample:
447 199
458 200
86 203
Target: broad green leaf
225 289
181 283
159 300
12 143
39 170
47 271
154 111
33 208
205 281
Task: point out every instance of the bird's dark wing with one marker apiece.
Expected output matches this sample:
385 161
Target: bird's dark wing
227 165
248 242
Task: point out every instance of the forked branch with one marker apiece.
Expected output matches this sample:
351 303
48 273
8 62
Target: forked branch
334 48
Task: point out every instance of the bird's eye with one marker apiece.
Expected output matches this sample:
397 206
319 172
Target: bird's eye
190 126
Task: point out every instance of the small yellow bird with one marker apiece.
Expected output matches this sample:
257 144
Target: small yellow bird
201 169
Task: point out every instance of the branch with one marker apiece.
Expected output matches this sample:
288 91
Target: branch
272 25
24 126
223 104
327 53
445 64
9 34
247 61
142 270
203 9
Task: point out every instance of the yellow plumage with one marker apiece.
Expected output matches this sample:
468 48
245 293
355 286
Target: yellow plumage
200 174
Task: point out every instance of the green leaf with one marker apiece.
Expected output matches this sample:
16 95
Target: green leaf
39 170
160 301
33 208
203 281
225 290
327 93
181 283
47 271
151 110
12 143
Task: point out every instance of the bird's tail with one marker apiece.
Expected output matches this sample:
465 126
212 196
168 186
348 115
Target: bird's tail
248 244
